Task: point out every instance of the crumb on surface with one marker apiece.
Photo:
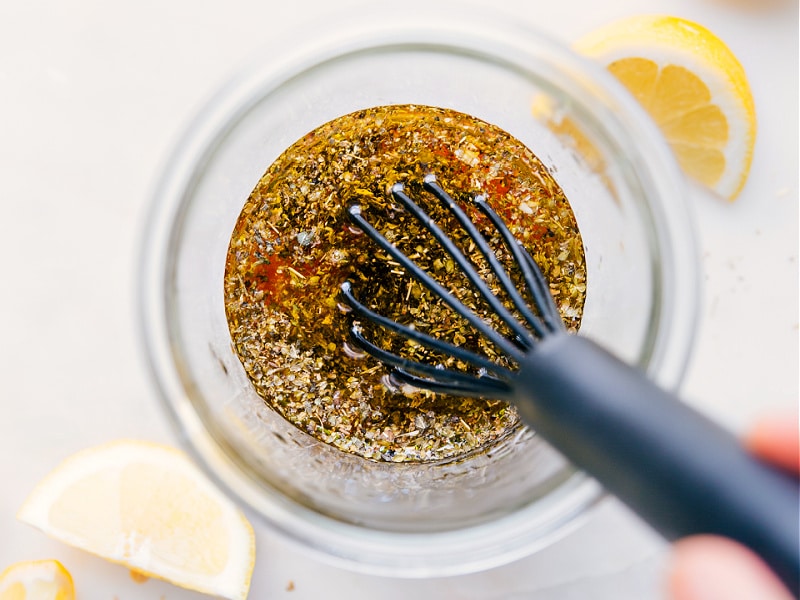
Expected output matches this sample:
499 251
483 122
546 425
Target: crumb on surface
138 576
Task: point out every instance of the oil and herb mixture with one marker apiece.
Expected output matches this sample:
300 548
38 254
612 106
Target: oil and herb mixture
293 246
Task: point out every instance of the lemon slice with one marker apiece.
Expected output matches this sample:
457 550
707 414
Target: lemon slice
694 88
148 507
36 580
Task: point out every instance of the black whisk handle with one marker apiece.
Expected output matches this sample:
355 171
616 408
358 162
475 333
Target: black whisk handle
677 469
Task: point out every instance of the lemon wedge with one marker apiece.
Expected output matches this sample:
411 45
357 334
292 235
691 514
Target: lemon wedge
147 507
36 580
693 87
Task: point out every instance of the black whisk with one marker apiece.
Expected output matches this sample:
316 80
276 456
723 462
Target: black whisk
677 469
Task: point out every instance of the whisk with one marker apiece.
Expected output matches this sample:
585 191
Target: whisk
677 469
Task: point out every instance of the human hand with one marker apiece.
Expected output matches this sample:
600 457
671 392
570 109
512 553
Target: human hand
706 567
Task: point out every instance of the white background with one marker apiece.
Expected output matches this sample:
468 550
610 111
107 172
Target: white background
93 95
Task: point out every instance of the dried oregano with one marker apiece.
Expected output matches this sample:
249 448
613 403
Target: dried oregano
292 247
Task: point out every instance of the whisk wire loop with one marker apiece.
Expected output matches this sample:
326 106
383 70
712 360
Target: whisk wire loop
477 389
522 334
446 348
531 273
498 270
444 380
496 338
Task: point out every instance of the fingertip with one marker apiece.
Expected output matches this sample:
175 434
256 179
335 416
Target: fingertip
713 568
776 439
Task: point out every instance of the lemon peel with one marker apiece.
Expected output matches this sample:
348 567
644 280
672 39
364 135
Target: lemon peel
148 507
36 580
694 88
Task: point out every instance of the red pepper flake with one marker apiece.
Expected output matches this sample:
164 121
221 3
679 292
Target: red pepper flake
497 187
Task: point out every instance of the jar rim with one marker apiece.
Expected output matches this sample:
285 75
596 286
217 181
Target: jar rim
445 553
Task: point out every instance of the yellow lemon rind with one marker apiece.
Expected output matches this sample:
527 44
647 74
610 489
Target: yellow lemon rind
48 571
35 512
668 40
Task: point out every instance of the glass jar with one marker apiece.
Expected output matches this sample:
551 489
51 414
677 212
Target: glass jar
414 519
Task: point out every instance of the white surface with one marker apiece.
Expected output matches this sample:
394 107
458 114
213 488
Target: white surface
93 94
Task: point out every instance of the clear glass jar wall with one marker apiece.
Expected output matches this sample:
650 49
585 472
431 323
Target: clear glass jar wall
412 519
